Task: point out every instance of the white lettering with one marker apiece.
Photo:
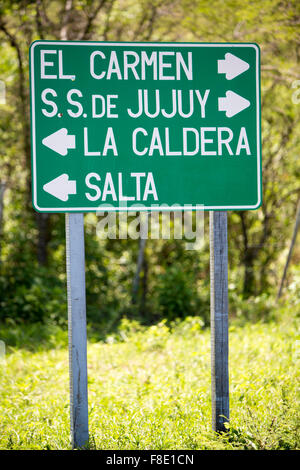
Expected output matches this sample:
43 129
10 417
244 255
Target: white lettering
222 141
110 143
74 103
243 142
205 141
60 69
49 102
150 188
93 186
46 64
92 65
136 151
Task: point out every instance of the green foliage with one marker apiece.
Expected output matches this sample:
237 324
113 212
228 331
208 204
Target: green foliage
32 294
149 388
33 337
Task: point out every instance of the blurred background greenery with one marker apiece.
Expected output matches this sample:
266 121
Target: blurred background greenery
170 282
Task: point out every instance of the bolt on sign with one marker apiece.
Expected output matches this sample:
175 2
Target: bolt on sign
120 124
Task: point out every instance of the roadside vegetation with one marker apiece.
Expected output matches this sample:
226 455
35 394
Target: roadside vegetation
149 387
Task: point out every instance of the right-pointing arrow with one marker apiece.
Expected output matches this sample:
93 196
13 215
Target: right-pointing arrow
233 103
232 66
60 141
61 187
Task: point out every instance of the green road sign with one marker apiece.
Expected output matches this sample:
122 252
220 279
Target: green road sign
116 125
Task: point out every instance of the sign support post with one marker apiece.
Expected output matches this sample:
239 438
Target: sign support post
77 329
219 319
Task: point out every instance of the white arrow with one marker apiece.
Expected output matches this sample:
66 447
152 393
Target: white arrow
233 103
232 66
61 187
60 141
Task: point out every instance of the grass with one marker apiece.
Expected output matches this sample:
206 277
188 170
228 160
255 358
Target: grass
149 388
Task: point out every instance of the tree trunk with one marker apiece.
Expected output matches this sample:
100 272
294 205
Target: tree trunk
248 260
144 286
293 242
43 225
140 262
249 278
42 220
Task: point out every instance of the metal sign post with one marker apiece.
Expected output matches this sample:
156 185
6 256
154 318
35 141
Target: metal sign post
219 319
77 329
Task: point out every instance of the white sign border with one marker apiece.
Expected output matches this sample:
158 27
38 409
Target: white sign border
143 44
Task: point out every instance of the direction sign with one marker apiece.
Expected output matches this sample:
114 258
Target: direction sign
116 125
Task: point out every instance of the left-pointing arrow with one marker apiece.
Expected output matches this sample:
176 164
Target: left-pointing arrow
60 141
61 187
